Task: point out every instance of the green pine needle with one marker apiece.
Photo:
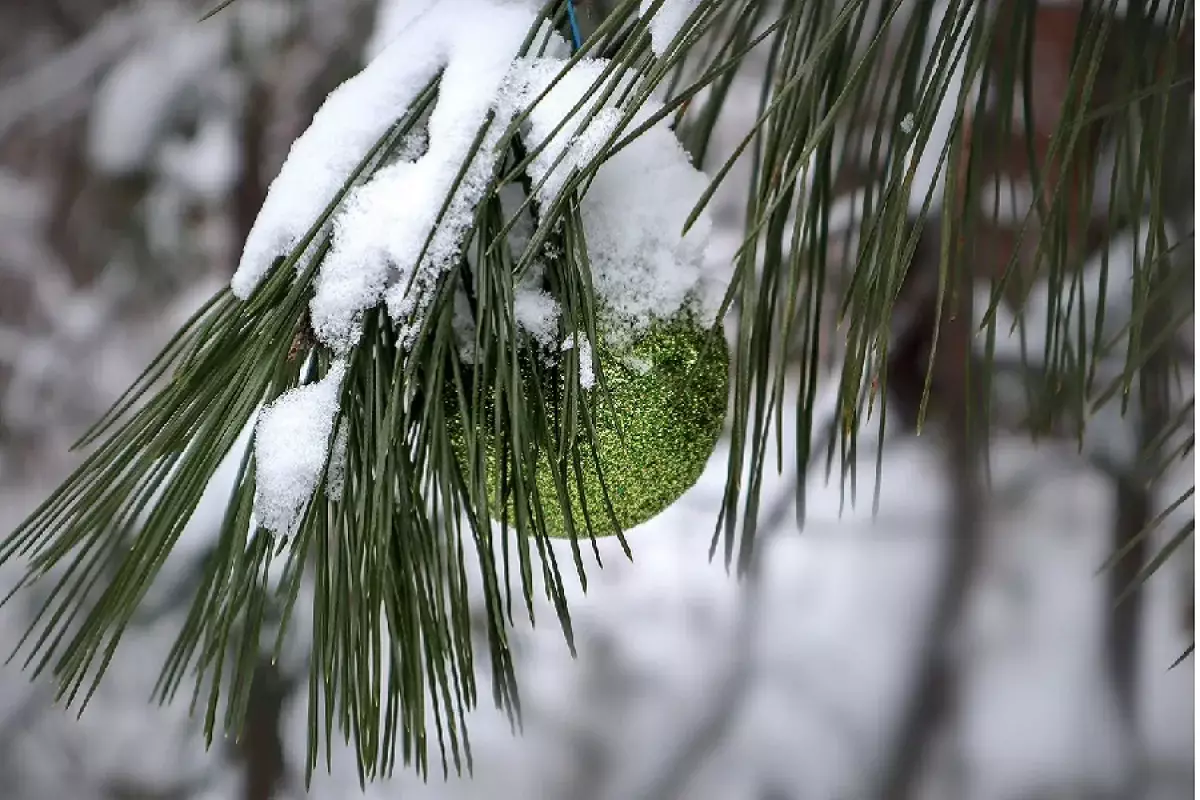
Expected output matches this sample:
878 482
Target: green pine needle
849 90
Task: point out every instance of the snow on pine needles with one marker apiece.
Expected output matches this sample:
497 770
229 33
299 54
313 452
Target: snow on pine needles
668 21
291 444
396 233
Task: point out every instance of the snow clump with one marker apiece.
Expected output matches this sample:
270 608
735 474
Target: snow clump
395 233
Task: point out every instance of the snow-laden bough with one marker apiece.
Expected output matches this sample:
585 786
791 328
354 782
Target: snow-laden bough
394 235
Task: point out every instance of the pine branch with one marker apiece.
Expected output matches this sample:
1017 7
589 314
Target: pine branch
442 432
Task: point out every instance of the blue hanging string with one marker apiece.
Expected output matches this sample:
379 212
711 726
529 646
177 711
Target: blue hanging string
576 39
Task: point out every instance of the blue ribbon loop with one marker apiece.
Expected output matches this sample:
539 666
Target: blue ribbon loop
576 39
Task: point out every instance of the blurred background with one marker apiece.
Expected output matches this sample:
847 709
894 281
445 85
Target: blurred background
135 149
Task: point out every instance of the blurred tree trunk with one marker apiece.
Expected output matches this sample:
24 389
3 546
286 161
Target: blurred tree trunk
933 688
260 747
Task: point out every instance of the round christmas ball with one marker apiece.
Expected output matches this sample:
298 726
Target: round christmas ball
655 428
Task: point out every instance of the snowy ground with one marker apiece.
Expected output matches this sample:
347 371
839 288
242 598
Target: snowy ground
842 604
834 634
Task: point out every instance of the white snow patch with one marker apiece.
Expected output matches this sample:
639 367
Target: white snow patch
666 24
291 447
392 19
643 266
571 148
399 232
481 55
537 313
587 375
380 238
634 209
348 124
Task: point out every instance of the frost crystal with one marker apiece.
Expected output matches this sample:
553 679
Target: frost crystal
291 446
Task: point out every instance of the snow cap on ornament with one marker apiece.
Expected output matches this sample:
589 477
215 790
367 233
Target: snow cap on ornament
396 234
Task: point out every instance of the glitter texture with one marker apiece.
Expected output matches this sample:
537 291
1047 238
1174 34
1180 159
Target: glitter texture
669 393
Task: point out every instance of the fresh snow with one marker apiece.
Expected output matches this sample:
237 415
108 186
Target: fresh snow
532 76
392 19
379 249
587 375
348 124
395 234
535 310
398 232
633 214
667 22
291 448
408 198
635 207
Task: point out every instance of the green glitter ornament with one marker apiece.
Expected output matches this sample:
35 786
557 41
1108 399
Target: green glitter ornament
655 427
